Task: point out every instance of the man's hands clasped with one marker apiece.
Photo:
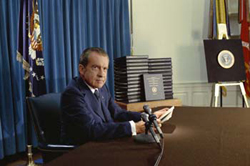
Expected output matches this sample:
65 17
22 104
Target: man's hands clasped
140 126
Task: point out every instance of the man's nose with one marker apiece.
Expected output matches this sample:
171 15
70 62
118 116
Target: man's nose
101 73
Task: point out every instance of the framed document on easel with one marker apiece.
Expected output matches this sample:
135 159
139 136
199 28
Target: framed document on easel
225 65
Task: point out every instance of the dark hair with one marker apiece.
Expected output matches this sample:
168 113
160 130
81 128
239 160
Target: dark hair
85 54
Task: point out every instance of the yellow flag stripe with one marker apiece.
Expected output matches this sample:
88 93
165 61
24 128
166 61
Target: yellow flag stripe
220 12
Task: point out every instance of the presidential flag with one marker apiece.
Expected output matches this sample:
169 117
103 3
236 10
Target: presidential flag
30 48
243 19
220 19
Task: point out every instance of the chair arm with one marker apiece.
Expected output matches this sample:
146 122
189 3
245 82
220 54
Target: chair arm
56 147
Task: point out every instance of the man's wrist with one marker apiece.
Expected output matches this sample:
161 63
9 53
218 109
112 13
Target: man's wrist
133 128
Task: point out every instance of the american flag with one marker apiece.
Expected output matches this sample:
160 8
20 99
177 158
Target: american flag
30 48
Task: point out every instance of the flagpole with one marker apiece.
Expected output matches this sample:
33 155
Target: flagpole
210 29
29 54
30 161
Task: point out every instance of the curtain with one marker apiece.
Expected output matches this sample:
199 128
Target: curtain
12 94
68 27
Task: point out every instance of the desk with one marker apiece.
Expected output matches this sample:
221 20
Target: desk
201 137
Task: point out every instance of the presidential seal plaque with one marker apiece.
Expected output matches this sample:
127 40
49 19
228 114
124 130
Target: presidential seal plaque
224 60
153 87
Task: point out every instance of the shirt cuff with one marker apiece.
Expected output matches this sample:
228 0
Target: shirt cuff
133 128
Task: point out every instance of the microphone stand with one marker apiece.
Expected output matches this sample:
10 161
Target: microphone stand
147 138
149 127
152 119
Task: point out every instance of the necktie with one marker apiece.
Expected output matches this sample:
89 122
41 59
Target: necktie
97 94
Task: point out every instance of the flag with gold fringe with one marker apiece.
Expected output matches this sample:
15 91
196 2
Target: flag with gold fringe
244 20
219 20
30 48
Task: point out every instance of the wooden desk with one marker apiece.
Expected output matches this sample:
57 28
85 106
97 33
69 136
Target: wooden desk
194 136
152 104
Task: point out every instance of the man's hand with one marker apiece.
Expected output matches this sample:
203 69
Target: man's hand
159 122
140 127
159 113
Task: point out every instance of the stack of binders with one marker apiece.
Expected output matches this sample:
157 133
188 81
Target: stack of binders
163 66
128 78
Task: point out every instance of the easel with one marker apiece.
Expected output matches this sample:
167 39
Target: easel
217 91
222 33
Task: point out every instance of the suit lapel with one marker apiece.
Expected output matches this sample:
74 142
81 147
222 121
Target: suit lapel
92 100
96 105
104 107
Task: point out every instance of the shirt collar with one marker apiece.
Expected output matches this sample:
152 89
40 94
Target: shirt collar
92 89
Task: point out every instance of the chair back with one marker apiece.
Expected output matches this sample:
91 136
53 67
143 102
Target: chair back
46 115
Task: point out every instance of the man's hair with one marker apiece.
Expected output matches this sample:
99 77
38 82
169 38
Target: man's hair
85 54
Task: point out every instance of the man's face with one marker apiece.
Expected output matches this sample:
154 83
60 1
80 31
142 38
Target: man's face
95 73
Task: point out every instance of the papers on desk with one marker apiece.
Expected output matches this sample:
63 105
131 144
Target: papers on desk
165 117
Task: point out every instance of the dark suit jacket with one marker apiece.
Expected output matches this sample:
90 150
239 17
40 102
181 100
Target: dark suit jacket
83 119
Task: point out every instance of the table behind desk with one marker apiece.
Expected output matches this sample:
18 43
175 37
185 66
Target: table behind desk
193 136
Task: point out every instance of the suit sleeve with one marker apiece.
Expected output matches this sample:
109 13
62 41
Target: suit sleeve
120 114
80 125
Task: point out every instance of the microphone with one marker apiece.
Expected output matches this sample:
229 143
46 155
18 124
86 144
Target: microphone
152 119
147 109
144 117
147 138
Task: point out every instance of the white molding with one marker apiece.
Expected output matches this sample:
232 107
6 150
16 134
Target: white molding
199 94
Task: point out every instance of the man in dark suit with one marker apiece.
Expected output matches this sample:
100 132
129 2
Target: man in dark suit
88 111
